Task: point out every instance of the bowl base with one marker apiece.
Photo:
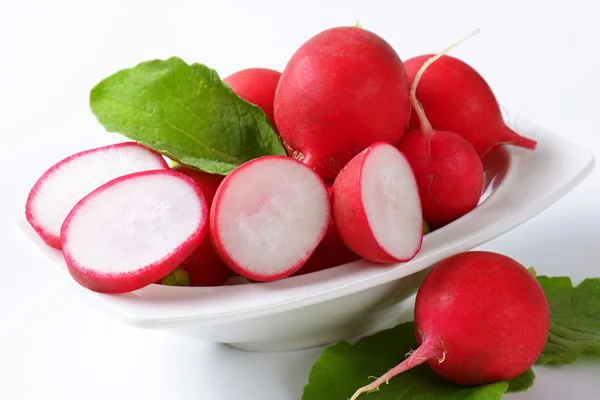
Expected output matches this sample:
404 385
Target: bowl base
371 324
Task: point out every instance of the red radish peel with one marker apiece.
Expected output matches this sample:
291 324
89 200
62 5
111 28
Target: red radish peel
256 86
342 90
480 318
376 206
449 172
58 190
134 230
268 216
456 98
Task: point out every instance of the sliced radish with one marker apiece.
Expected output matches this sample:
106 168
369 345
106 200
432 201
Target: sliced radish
376 205
268 216
63 185
134 230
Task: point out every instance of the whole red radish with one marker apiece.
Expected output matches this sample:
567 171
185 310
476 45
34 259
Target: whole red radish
448 170
256 86
204 266
376 206
331 252
268 216
457 98
342 90
134 230
58 190
480 318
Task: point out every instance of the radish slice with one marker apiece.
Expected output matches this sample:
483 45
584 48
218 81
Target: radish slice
376 206
268 216
63 185
134 230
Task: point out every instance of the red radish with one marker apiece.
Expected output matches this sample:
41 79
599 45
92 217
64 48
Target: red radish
204 266
268 216
376 205
256 86
343 90
480 318
449 171
331 252
458 99
64 184
134 230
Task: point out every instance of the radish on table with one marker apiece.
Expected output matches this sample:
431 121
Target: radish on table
480 318
456 98
134 230
448 170
256 86
342 90
268 216
64 184
376 206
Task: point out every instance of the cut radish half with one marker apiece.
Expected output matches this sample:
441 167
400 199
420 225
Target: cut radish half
134 230
376 206
58 190
268 216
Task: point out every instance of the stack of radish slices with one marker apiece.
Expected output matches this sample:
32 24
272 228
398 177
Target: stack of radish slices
123 219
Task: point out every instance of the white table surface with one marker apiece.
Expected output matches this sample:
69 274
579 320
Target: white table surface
540 57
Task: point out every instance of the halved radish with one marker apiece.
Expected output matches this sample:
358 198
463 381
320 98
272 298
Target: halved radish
134 230
64 184
268 216
376 205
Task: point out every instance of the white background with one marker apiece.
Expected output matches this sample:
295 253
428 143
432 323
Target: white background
540 57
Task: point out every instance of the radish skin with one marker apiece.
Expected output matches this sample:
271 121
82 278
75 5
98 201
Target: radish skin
456 98
204 265
376 206
134 230
480 318
58 190
341 91
256 86
449 172
331 252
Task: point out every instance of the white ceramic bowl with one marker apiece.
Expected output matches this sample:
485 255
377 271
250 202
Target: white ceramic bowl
340 302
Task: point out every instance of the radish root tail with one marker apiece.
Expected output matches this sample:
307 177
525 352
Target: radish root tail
425 124
430 349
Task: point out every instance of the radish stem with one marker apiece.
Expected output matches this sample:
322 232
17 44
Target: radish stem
425 124
432 348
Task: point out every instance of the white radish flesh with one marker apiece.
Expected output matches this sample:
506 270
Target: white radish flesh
63 185
134 230
391 200
268 217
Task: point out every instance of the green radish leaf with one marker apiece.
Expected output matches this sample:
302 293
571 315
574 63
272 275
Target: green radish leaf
574 319
343 368
522 382
185 112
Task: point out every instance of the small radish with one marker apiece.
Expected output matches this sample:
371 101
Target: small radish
376 205
204 266
268 216
343 90
256 86
480 318
331 252
449 171
134 230
63 185
456 98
